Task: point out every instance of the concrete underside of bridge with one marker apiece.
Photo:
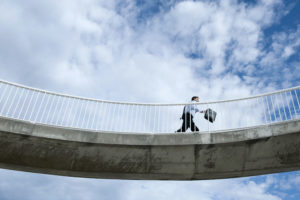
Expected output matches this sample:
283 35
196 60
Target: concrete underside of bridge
192 156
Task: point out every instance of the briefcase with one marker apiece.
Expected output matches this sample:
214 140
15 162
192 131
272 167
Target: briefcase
210 115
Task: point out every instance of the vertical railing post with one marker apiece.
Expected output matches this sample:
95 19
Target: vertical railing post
282 101
263 103
297 100
135 119
274 110
287 100
293 103
112 122
279 111
70 113
106 120
158 119
11 103
8 96
28 107
65 110
62 107
76 110
102 118
43 113
55 109
154 119
85 110
95 113
145 118
39 108
32 111
19 100
81 105
269 109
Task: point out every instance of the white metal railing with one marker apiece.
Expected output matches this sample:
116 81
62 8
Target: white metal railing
39 106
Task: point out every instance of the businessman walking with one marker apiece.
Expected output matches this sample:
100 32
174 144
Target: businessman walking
188 114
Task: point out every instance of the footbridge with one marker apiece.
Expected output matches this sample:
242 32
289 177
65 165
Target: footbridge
46 132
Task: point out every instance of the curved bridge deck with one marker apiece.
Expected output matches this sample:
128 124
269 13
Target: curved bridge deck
245 152
46 132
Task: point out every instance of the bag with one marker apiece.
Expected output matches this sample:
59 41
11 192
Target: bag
210 115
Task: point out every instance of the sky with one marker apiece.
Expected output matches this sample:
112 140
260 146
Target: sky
150 51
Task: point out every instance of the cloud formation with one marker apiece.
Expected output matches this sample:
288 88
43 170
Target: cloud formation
164 51
152 51
56 187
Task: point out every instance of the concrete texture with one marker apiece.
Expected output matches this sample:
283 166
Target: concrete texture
52 150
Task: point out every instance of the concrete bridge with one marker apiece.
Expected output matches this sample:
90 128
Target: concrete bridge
44 132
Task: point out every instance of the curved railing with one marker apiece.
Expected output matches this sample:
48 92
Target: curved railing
39 106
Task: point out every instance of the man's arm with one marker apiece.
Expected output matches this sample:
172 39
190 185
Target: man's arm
196 109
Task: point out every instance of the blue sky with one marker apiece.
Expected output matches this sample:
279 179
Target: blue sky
150 51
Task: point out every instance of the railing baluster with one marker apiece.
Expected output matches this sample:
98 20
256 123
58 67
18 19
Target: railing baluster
65 110
136 119
28 106
70 113
18 103
84 114
43 113
39 109
12 102
123 114
111 125
8 96
59 110
273 107
269 110
3 93
50 108
27 93
32 111
55 109
166 119
246 109
282 101
297 100
288 105
75 111
293 103
78 121
127 117
278 109
145 119
263 103
106 117
94 116
90 111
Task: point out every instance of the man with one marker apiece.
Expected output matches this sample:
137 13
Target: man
187 116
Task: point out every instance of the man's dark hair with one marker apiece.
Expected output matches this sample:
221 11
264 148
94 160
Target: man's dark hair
194 97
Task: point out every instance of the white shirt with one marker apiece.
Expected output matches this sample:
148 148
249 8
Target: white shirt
191 108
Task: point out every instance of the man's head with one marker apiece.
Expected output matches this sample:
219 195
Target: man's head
195 98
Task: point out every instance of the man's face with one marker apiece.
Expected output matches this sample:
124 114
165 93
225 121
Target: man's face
197 99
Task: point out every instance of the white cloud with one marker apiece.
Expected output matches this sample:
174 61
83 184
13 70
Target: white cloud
50 187
102 49
99 49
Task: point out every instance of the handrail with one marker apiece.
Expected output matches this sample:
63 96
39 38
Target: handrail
44 107
147 104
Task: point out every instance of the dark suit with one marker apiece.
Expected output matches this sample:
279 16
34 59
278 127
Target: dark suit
187 122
